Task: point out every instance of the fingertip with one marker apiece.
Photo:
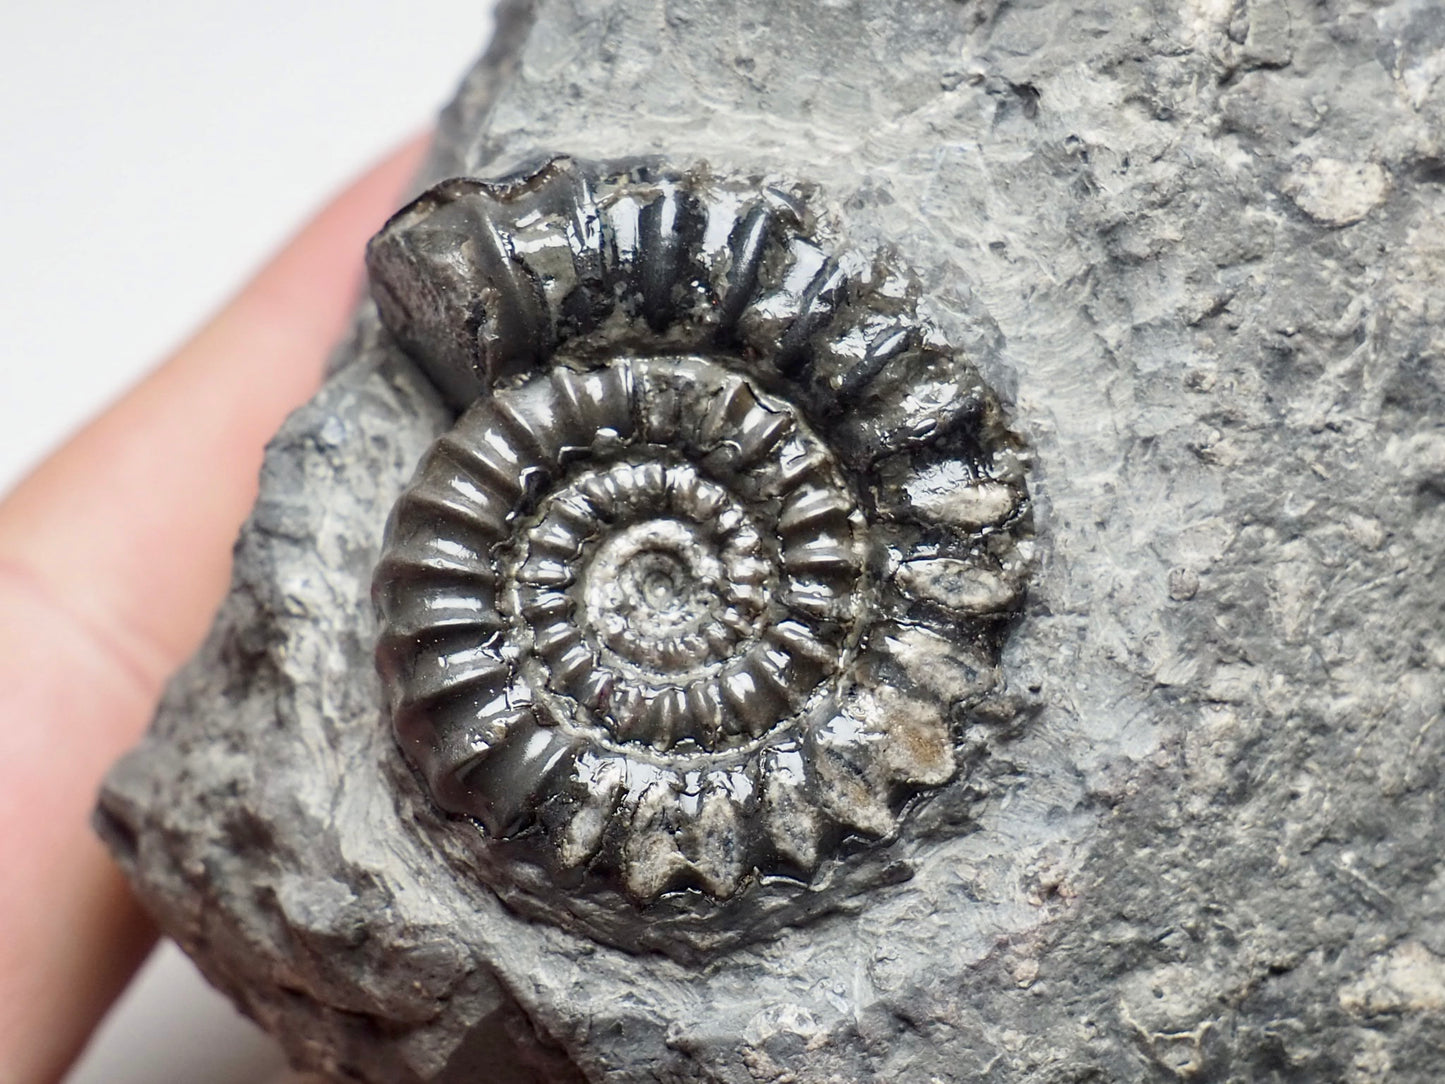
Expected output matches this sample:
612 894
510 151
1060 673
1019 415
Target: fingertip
114 554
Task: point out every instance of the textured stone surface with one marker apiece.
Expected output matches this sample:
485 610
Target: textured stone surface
1205 242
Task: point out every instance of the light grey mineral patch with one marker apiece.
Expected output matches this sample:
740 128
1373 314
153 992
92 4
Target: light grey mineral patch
1198 249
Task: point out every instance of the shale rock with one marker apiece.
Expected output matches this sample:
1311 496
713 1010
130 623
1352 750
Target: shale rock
1197 250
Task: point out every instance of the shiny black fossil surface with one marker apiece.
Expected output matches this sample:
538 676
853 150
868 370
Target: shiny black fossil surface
665 610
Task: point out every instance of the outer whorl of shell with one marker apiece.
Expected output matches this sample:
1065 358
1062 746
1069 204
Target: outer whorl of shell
719 550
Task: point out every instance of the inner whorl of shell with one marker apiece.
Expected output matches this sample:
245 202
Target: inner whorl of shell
654 551
716 545
699 575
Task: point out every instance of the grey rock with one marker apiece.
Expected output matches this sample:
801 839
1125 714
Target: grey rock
1197 248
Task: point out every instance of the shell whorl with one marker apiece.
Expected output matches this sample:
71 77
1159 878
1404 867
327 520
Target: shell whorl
721 539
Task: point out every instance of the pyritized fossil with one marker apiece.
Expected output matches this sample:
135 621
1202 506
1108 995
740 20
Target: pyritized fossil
719 553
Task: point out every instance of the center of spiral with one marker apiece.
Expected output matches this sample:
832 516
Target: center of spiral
688 572
654 596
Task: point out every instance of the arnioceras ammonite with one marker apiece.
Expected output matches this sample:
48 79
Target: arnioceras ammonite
719 553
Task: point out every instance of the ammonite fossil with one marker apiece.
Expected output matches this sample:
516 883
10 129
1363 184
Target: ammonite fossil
717 558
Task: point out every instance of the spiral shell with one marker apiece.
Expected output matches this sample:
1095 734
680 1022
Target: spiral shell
720 547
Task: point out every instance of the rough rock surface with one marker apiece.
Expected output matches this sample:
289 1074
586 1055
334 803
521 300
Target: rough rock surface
1210 237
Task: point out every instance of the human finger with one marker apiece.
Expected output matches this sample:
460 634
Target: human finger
113 555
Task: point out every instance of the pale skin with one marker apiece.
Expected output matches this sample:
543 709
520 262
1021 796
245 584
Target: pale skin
114 554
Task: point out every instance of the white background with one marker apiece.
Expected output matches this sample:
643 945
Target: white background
152 154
